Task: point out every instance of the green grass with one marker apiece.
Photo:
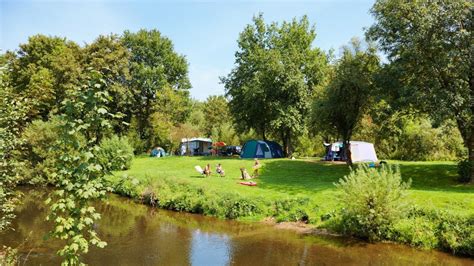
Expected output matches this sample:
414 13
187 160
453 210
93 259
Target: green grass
434 184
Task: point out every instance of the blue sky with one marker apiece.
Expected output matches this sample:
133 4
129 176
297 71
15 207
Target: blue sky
204 31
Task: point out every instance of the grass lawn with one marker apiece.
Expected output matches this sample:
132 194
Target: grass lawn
433 183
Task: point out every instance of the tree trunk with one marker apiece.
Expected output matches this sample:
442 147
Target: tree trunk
470 147
288 148
285 144
347 152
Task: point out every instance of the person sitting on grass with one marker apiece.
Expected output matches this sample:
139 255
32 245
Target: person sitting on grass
244 174
256 167
207 170
219 170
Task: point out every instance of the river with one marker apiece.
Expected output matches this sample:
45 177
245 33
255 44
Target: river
141 235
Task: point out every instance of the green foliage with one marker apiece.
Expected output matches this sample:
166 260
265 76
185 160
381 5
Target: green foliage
429 47
38 153
420 141
225 132
13 114
180 195
465 170
44 70
80 176
109 56
276 74
159 80
416 231
216 112
115 153
8 256
349 94
309 146
372 201
436 229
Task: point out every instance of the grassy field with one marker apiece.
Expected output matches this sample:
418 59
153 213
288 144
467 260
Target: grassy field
434 184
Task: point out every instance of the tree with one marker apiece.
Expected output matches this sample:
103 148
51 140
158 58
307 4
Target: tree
349 93
430 48
13 113
216 113
109 56
276 74
43 71
159 79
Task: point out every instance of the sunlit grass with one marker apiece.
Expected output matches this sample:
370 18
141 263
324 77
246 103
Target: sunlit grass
434 184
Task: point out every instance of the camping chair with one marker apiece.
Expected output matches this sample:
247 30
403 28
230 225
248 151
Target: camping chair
199 169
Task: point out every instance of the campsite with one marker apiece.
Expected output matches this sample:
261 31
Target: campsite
237 133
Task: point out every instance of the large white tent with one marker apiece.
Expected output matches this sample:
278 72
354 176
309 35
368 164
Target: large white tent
361 151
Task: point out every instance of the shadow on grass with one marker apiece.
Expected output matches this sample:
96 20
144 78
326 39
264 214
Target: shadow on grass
296 176
434 177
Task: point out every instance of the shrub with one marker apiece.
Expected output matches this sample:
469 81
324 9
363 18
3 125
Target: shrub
115 153
436 229
39 152
295 209
306 146
464 170
372 201
126 186
415 231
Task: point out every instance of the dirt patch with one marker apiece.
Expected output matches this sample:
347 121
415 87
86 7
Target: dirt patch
299 227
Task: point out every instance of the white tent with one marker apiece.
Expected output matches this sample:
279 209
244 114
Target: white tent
361 151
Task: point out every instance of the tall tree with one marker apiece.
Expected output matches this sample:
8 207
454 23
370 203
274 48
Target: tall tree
430 47
159 78
110 57
277 71
216 113
349 93
43 71
13 113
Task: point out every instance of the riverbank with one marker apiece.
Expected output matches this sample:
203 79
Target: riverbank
139 235
441 213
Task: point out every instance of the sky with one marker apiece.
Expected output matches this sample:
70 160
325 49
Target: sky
205 32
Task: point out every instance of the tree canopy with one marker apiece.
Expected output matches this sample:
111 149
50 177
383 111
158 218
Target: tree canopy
349 93
276 74
159 79
429 46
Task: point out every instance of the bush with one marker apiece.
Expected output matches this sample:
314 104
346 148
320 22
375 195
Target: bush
415 231
465 170
309 146
372 201
436 229
115 153
39 152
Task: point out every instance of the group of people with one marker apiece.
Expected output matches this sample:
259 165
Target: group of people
207 170
220 171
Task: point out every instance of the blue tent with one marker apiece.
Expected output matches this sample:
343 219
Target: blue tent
261 149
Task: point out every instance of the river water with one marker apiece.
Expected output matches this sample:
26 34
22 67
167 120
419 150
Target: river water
141 235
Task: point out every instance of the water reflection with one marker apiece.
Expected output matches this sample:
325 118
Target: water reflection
210 249
139 235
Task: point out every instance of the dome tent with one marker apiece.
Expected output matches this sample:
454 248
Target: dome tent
261 149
